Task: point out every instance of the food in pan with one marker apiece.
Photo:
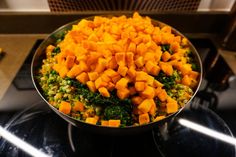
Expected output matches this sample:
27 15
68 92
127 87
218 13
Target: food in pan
119 71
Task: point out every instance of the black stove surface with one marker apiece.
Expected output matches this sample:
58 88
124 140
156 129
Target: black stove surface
46 131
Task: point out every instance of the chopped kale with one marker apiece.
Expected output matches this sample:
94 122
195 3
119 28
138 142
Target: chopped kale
167 81
117 112
55 51
166 47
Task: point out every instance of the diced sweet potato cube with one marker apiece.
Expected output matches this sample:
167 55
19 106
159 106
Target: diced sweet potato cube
65 107
123 93
93 76
158 90
141 49
166 68
186 80
120 58
162 95
112 64
93 37
150 80
63 71
56 67
186 69
104 123
194 74
129 58
122 83
91 86
158 118
141 76
156 83
91 120
166 56
122 70
110 86
140 86
149 65
139 62
144 119
70 61
105 78
104 92
146 105
99 83
131 72
149 56
136 100
114 123
74 71
153 110
78 106
83 77
100 68
149 92
171 107
132 47
116 78
83 66
111 73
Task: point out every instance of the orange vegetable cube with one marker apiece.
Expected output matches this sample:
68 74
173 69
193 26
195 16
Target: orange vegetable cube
155 70
114 123
139 86
70 61
166 68
100 68
122 83
112 64
83 66
130 58
166 56
149 57
104 92
56 67
144 118
131 72
65 107
162 95
122 70
78 106
150 80
136 100
83 77
153 110
132 47
110 86
141 49
139 62
63 71
105 78
194 75
93 76
158 118
99 83
91 120
149 65
104 123
171 107
186 80
91 86
141 76
74 71
149 92
116 78
120 58
123 93
146 105
156 83
111 73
